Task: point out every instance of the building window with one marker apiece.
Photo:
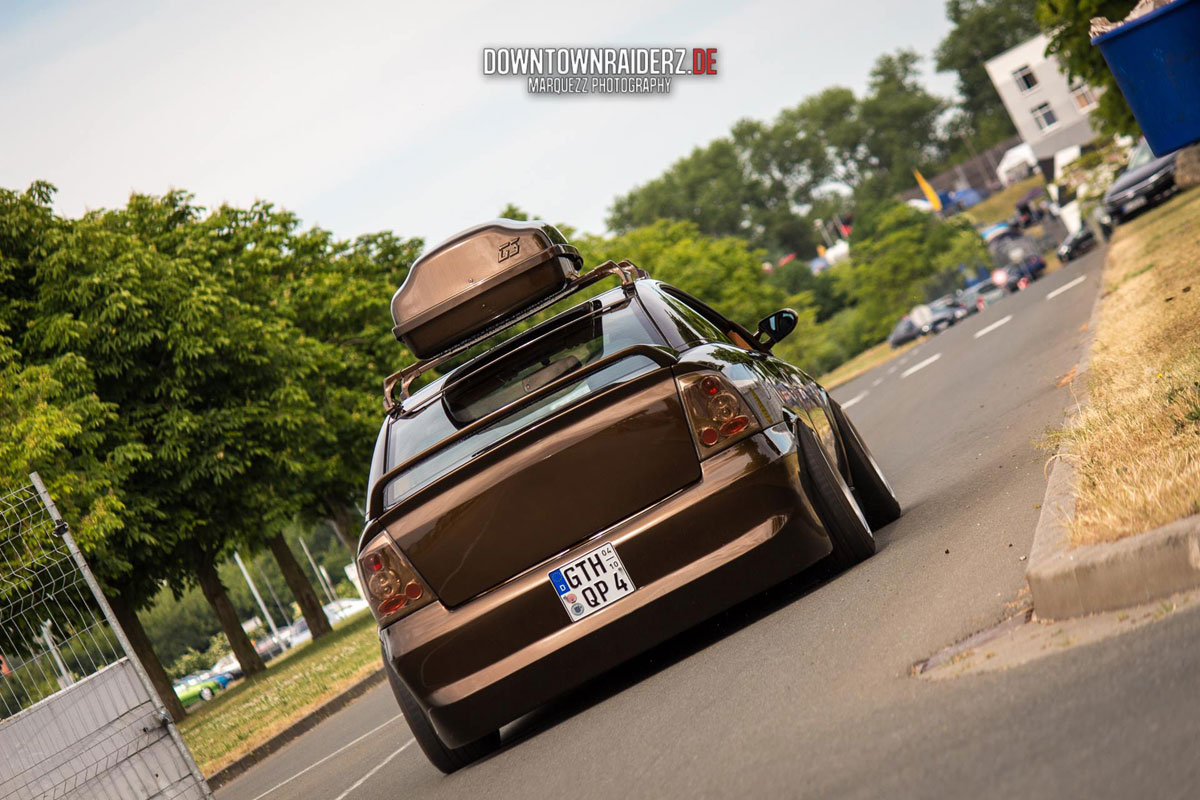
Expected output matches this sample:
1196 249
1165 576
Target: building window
1026 80
1084 97
1044 116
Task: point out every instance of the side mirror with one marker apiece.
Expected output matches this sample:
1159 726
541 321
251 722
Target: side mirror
772 329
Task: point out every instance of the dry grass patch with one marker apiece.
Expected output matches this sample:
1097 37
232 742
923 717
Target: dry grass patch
1002 204
1136 444
863 362
250 713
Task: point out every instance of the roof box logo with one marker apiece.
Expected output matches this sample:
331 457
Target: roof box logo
508 250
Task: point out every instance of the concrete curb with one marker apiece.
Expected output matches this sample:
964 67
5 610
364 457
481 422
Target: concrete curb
276 742
1070 581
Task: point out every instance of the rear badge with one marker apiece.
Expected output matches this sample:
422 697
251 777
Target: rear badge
591 582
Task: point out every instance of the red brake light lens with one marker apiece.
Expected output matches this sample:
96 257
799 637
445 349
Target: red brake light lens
389 582
735 426
716 410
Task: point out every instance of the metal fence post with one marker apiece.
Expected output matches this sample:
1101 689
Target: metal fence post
65 531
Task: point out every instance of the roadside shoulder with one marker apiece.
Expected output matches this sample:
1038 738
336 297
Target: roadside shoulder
1067 579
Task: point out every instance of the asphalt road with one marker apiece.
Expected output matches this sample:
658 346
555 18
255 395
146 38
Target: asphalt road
807 690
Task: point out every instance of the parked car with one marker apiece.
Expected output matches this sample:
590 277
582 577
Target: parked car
268 648
340 609
905 331
983 294
1145 180
946 310
229 666
298 632
589 487
1017 255
223 678
344 607
195 688
1078 243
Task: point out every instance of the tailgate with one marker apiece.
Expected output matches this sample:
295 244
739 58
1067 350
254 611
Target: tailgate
548 487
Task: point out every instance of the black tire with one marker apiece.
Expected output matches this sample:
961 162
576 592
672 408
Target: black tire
206 693
447 759
871 489
835 505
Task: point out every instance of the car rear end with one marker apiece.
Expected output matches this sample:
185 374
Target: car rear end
568 500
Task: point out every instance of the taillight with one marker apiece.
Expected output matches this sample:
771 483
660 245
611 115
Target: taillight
391 585
716 410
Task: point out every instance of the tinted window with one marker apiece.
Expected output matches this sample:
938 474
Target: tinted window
493 385
694 324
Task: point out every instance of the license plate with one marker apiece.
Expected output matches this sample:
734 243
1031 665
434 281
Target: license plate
1133 205
591 582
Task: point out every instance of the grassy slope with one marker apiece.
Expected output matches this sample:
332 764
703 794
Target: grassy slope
248 714
1137 442
1001 205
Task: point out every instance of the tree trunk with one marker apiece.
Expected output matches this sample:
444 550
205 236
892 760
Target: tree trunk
214 592
301 588
342 523
143 650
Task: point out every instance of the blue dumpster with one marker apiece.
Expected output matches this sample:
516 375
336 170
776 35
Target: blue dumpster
1156 61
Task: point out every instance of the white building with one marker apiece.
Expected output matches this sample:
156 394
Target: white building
1050 112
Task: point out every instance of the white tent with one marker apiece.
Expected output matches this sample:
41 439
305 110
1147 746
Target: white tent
1016 163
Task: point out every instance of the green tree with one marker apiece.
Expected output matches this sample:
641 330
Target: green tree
722 271
1066 22
897 251
982 29
900 123
708 187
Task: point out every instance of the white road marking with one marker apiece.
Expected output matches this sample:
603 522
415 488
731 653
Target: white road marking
901 361
891 370
992 327
377 767
921 365
877 382
1065 286
855 399
341 749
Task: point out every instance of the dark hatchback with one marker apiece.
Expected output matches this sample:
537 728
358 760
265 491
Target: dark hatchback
589 487
1078 243
1146 180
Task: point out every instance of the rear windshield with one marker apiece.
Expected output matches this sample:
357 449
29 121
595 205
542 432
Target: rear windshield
481 388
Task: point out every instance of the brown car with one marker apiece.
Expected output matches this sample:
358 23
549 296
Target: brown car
568 497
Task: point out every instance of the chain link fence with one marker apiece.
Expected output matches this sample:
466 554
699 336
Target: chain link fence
78 715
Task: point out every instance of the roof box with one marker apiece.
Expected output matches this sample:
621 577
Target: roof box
477 278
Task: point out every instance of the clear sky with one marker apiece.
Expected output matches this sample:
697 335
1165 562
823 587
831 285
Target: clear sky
363 116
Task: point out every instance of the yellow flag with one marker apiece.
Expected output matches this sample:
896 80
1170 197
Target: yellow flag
935 202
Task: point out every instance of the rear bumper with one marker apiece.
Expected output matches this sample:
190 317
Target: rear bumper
746 525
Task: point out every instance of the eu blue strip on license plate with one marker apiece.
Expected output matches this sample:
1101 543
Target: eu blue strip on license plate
590 582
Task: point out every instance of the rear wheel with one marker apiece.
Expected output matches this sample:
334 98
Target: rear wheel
871 489
835 505
447 759
206 693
